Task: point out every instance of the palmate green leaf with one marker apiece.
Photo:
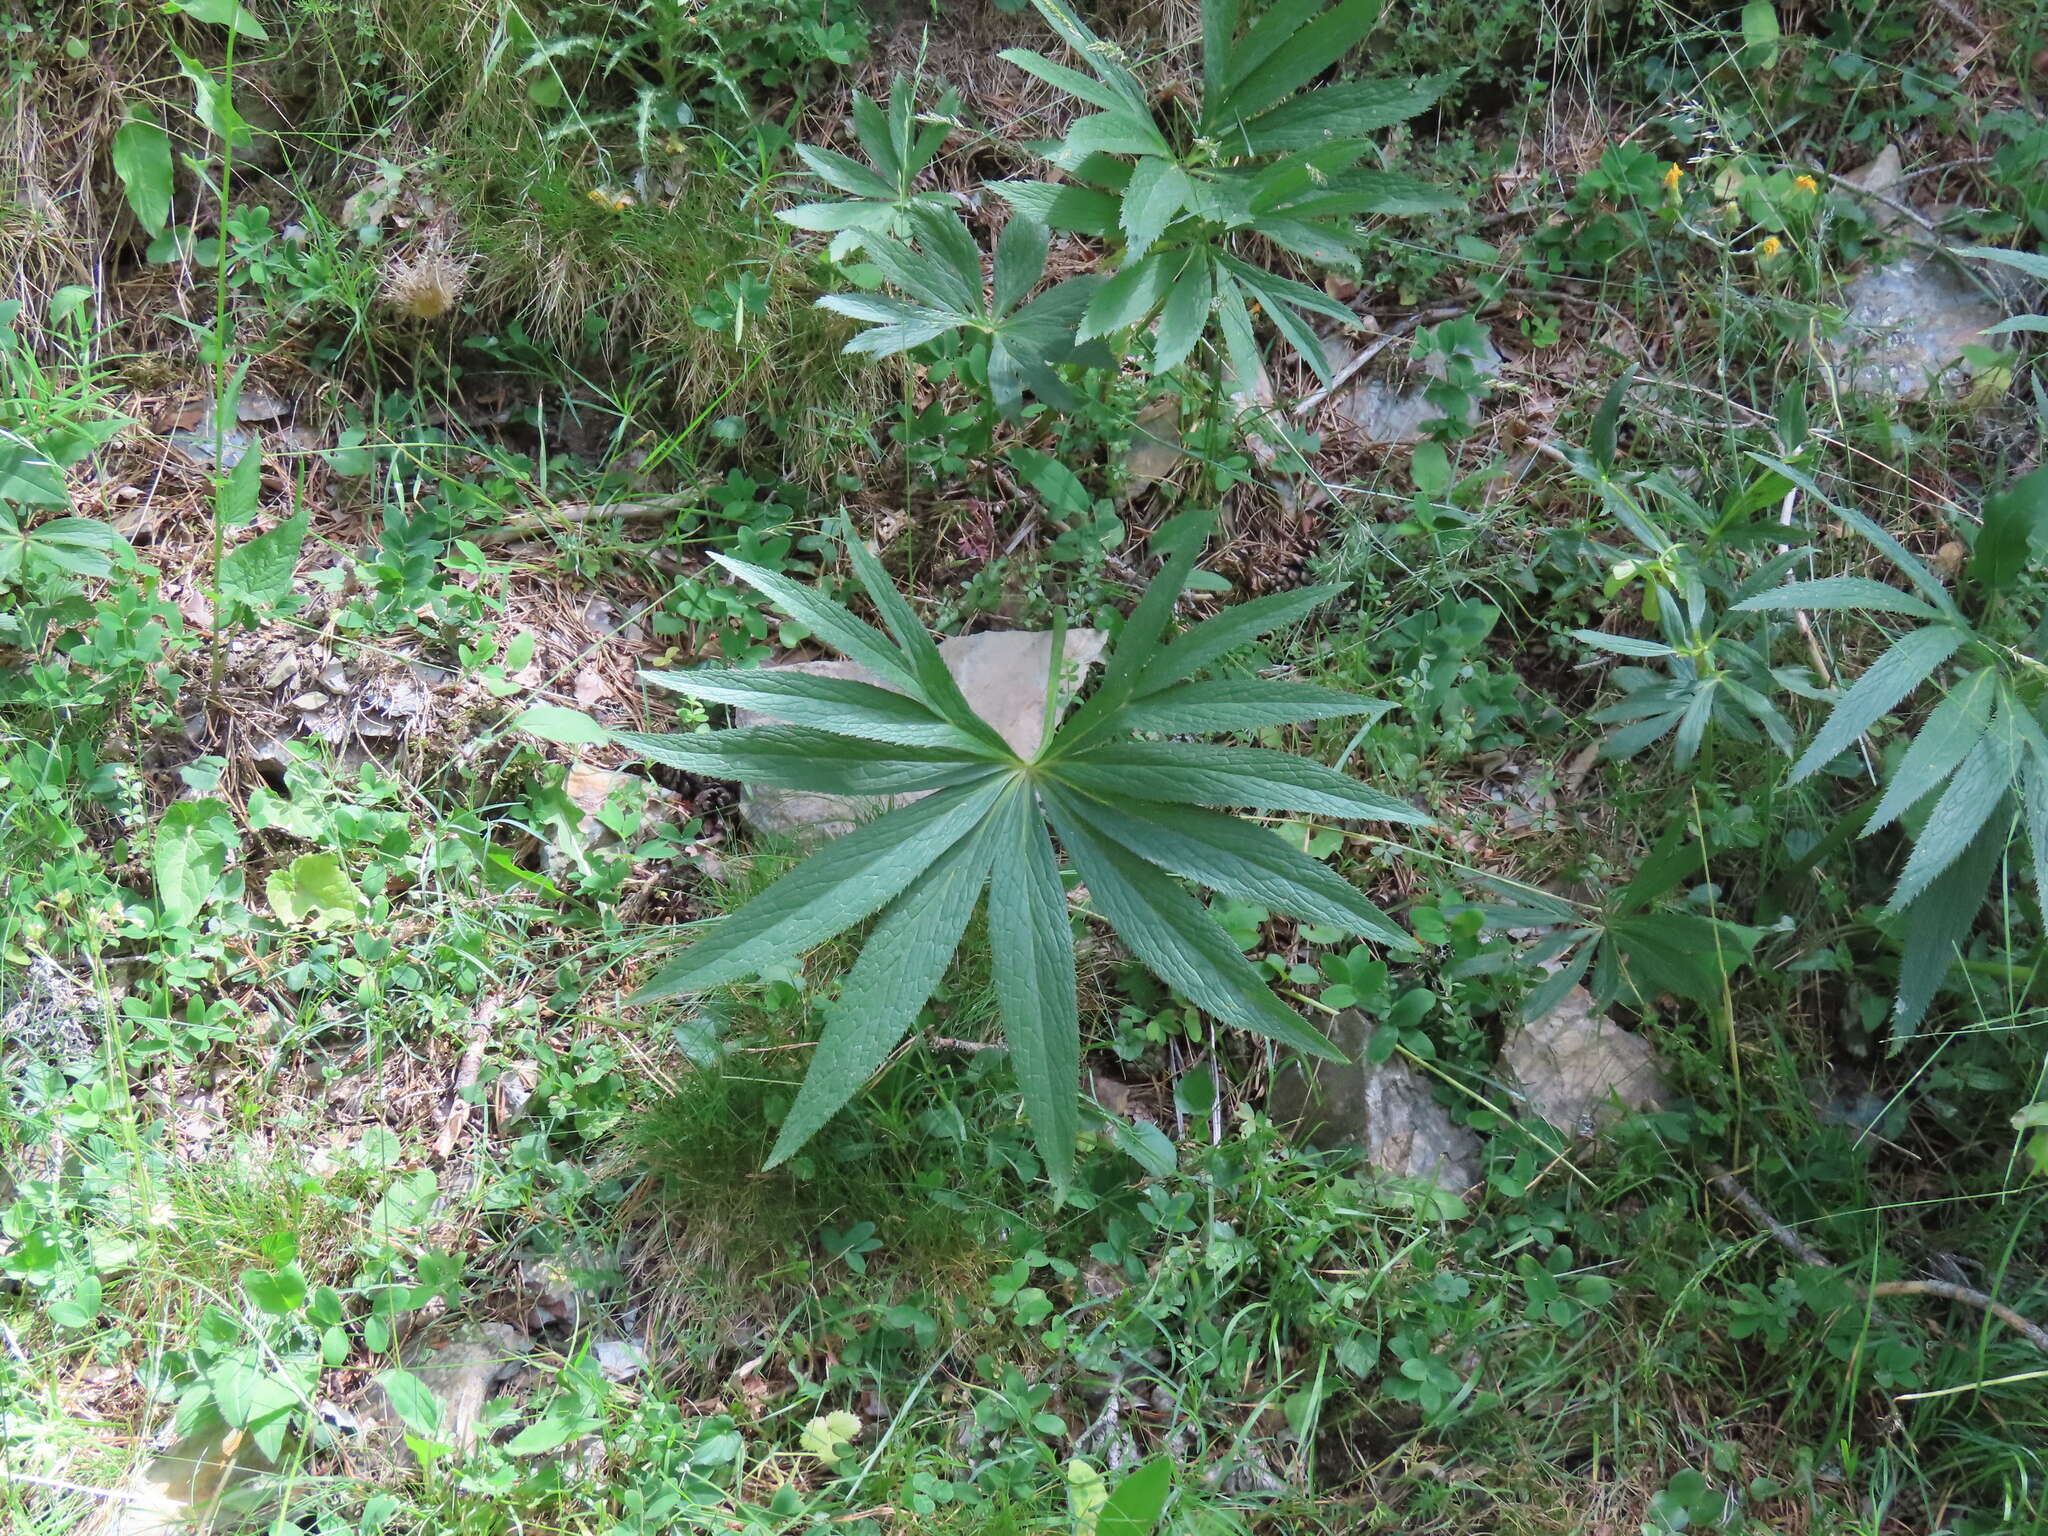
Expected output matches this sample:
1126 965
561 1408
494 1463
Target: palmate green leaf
936 684
898 326
844 174
2013 522
1977 790
1063 205
1241 704
1188 773
1238 858
929 275
848 879
800 757
1156 195
1132 295
903 960
1853 592
1137 644
1185 314
1177 941
1929 584
1911 660
1305 54
1109 133
1216 637
1356 194
1072 81
1031 951
1938 922
1021 250
1353 110
830 218
844 705
1311 242
831 622
1958 723
1271 28
1240 344
1102 57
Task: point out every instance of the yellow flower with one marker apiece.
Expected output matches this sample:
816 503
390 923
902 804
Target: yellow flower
1770 247
1806 184
1673 173
611 199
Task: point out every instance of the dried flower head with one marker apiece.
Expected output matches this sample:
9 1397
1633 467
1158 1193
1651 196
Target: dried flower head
425 284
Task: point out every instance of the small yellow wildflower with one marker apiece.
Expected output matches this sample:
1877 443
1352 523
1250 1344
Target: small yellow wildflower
1673 174
611 199
1806 184
1770 247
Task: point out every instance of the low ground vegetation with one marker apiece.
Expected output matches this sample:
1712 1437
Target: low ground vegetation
1578 476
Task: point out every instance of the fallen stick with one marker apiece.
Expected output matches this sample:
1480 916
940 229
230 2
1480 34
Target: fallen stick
1806 1253
574 513
456 1116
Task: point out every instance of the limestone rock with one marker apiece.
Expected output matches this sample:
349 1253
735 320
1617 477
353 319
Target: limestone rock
1907 325
1579 1070
1003 675
1387 1110
462 1371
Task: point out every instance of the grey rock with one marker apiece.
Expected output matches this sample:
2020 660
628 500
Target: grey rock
1384 1109
204 1482
1387 403
462 1371
1579 1070
619 1359
1003 675
1886 177
1906 327
201 442
1156 448
258 405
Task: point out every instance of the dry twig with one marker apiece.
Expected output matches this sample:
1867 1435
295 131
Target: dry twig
1806 1253
456 1115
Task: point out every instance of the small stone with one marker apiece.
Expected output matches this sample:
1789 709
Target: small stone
1385 1109
461 1372
1580 1071
619 1359
1906 327
193 1485
258 405
1156 448
1883 176
310 702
